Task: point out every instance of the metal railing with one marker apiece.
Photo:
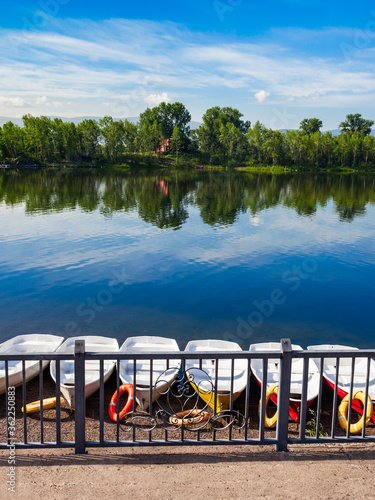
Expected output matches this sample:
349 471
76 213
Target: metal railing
239 421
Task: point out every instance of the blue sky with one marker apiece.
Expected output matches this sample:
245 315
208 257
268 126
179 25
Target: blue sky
278 62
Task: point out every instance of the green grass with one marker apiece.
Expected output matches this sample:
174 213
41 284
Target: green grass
310 430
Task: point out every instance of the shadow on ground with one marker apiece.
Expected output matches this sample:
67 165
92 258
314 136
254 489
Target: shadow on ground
156 457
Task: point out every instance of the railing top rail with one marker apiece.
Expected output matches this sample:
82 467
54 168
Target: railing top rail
364 353
355 353
188 355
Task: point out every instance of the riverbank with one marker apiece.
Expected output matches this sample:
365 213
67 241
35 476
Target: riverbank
143 162
239 472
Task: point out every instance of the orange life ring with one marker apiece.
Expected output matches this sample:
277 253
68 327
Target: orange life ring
189 417
129 388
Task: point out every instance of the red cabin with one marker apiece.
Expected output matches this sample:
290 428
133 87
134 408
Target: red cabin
164 146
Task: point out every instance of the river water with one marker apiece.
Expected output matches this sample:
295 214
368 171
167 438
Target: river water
227 255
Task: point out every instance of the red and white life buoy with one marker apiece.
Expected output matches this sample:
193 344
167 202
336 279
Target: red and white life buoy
129 404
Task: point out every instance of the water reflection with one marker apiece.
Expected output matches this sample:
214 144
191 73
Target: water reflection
163 198
196 251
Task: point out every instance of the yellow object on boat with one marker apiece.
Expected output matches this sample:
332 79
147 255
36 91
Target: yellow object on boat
222 398
47 405
269 422
343 410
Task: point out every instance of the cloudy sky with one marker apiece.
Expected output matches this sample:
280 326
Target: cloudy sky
278 62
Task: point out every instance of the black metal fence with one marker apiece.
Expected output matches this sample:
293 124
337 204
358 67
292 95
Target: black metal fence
187 412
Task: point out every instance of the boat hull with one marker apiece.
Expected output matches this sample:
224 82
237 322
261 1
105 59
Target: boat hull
15 379
356 405
69 392
273 376
294 404
92 367
344 378
26 344
202 373
149 387
142 394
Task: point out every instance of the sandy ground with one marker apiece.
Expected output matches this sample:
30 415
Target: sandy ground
329 471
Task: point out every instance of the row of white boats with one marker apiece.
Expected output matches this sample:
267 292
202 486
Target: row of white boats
213 383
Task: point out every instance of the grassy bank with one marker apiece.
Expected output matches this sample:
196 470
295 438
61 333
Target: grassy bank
182 162
182 167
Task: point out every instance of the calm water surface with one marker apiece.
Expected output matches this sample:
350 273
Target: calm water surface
238 256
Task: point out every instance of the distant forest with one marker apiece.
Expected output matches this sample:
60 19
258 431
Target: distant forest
162 136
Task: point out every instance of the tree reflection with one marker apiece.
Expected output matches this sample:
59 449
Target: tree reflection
163 198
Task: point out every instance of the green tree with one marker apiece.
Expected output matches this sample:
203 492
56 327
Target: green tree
343 150
355 149
71 141
168 115
58 141
12 141
112 133
38 137
274 146
257 137
176 141
130 136
369 149
233 140
193 145
291 145
311 125
210 133
356 124
297 147
180 118
89 135
150 136
315 148
327 148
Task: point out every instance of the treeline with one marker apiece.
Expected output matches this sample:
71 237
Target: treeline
223 138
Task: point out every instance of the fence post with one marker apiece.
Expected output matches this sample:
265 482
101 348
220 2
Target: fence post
284 395
79 396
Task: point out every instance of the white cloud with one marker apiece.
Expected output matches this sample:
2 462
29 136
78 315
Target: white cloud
12 102
156 99
262 95
44 101
41 101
